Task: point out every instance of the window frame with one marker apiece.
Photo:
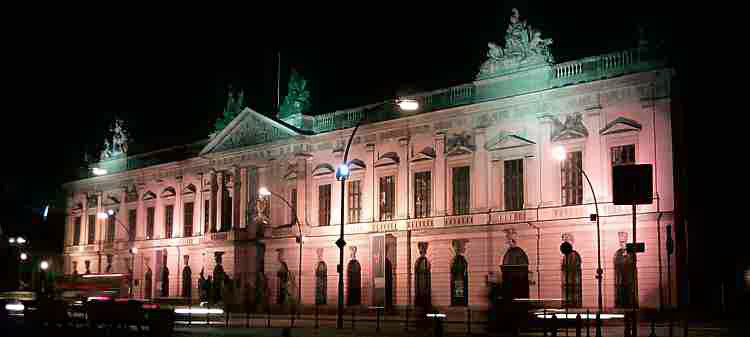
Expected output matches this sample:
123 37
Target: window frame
132 226
91 229
455 200
168 221
354 201
187 219
422 212
324 213
519 185
381 215
150 222
77 230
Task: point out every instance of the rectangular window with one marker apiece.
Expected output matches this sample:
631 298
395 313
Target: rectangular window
572 179
226 213
324 205
150 217
293 201
132 223
355 201
187 230
513 184
422 194
387 197
207 216
168 220
110 229
623 155
77 231
92 229
461 190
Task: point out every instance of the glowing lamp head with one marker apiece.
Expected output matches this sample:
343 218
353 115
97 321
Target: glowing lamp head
264 192
102 215
408 104
44 265
134 250
12 240
558 153
99 171
20 240
111 212
24 256
342 172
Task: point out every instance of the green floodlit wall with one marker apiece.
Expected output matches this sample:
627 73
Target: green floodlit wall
503 85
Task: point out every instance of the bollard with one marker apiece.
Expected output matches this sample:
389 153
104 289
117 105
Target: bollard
208 315
190 315
406 326
653 328
468 321
579 325
247 318
553 325
268 315
588 323
598 324
634 324
545 323
316 316
377 314
565 322
627 326
353 318
226 314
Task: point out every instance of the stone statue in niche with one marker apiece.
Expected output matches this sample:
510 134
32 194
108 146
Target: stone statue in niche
87 264
459 246
319 252
353 252
218 277
203 287
422 246
568 237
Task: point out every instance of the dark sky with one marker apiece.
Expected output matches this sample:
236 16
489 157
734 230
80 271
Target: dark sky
167 73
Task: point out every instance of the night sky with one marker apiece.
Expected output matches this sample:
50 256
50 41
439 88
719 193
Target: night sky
167 73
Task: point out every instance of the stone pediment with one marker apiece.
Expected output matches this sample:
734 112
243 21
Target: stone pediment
505 141
356 165
389 158
428 153
620 124
323 169
250 128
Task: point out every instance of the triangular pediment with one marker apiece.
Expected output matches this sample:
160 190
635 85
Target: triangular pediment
250 128
620 124
323 169
428 153
389 158
459 150
507 141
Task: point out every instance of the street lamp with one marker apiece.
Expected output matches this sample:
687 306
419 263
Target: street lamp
559 154
20 240
265 192
342 174
24 256
133 250
44 265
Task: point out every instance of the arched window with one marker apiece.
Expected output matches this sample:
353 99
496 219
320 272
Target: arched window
422 281
515 270
624 274
147 286
354 277
321 288
571 278
283 284
187 280
459 281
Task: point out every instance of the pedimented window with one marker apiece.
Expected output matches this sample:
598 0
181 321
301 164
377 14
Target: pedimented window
505 141
189 189
620 124
322 169
149 195
427 153
390 158
168 192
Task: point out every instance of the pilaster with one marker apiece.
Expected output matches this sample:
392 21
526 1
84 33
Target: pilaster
178 222
402 183
219 201
439 176
368 206
236 195
242 209
301 189
480 183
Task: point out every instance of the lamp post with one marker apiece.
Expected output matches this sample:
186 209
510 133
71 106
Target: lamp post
342 174
559 154
263 191
21 244
112 213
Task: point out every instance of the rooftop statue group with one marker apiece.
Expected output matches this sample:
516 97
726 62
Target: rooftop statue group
119 143
523 43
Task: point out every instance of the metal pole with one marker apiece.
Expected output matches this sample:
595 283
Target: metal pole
634 286
599 270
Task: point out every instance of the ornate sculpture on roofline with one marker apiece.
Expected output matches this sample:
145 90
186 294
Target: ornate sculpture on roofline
118 145
235 104
524 46
297 100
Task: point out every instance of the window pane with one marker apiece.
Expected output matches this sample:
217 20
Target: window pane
77 231
461 190
513 184
132 226
168 217
92 229
354 200
324 205
387 197
187 230
623 155
422 194
572 179
207 216
150 217
293 201
110 229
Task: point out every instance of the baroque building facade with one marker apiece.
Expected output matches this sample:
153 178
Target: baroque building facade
442 202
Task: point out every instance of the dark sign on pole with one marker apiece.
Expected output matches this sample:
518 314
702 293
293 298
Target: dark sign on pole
632 184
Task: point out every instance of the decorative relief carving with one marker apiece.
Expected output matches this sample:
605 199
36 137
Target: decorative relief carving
568 237
422 248
572 127
461 143
280 255
353 252
622 238
459 246
319 253
252 130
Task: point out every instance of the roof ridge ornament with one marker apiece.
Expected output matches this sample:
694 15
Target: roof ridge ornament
524 47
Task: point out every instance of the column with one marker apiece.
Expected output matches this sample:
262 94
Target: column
369 190
219 201
122 217
242 209
178 222
301 189
479 179
550 169
236 195
439 176
593 160
140 228
263 181
402 183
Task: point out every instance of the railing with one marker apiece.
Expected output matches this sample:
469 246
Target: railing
420 223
